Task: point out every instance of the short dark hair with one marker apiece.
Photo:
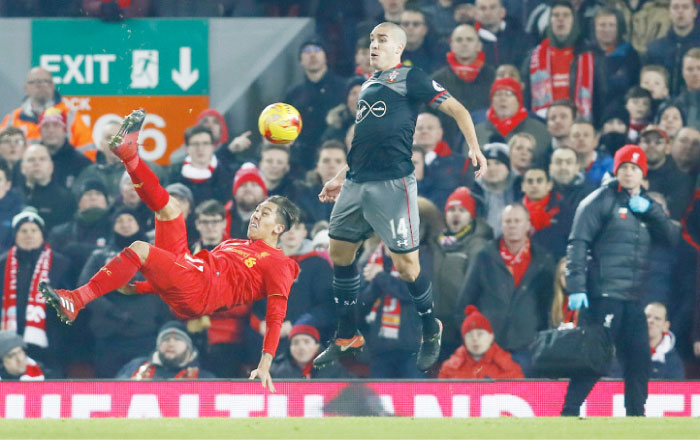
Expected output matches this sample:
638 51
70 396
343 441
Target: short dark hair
5 168
565 102
12 130
538 167
287 211
637 92
331 144
196 130
269 146
210 208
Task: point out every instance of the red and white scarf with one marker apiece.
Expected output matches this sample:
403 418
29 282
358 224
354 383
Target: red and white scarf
35 323
540 217
195 174
391 307
517 264
33 372
504 127
466 72
542 86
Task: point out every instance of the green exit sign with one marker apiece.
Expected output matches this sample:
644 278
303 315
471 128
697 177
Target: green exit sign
134 57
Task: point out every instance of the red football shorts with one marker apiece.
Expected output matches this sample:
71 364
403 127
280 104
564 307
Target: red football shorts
180 279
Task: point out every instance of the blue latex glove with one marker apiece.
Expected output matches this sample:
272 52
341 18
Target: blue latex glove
578 300
639 204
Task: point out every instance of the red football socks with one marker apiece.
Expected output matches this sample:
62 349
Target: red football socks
147 184
116 273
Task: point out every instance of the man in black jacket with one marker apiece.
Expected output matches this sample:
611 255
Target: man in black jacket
608 250
510 280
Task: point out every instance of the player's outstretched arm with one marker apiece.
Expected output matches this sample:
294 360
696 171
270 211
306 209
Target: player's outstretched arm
454 108
263 372
331 189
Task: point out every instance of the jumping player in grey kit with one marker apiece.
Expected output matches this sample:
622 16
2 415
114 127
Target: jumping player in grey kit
379 193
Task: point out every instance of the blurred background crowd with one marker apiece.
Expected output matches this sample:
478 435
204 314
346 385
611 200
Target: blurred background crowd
555 88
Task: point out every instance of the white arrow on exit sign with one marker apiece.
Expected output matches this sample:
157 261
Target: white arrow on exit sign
185 77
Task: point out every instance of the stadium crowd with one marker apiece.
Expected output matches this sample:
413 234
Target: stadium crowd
555 89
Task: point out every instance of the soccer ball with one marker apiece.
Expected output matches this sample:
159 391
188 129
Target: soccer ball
279 123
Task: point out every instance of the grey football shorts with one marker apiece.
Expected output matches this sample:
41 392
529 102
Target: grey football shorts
388 207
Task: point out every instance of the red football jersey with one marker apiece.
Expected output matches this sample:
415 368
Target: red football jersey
248 270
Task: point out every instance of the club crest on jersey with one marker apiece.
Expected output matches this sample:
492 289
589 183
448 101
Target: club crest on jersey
623 212
392 76
438 87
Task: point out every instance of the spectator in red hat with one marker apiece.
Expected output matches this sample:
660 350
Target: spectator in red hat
465 234
480 357
614 230
507 115
663 174
248 191
68 163
297 363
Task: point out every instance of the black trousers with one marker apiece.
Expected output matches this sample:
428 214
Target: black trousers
626 322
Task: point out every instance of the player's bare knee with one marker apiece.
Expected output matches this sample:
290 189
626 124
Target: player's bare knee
141 248
408 271
171 210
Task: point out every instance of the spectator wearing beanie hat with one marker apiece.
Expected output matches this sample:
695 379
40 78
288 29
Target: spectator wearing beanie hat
175 358
498 187
68 162
611 238
248 191
29 261
16 365
318 93
466 233
87 231
297 361
479 357
507 116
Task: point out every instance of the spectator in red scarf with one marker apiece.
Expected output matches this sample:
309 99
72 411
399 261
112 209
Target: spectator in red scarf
466 76
200 171
16 365
175 358
510 281
551 220
445 168
480 357
29 261
559 67
297 363
507 116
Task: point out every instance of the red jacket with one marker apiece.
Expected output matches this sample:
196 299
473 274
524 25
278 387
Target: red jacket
496 364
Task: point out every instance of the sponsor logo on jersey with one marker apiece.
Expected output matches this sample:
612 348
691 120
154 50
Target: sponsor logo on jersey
437 86
377 109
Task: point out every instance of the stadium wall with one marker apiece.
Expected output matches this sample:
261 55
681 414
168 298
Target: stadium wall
242 399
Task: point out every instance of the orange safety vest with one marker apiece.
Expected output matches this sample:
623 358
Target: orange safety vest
80 133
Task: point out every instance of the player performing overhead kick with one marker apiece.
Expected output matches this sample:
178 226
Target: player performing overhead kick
235 272
380 192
